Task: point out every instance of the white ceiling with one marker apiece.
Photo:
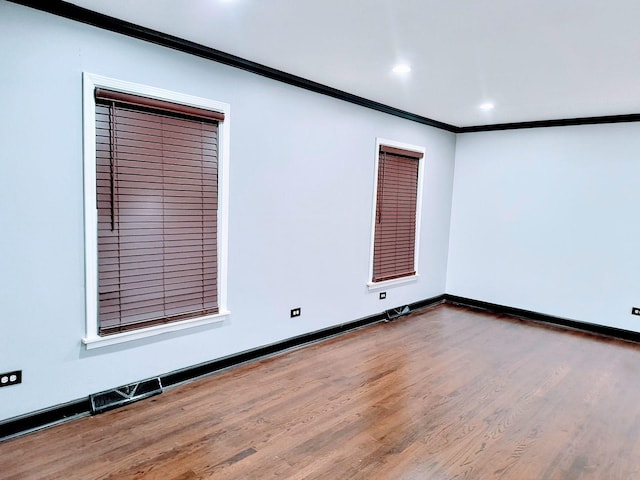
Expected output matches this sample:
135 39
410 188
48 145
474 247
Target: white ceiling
534 59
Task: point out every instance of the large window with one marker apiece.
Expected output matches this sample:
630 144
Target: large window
394 254
157 219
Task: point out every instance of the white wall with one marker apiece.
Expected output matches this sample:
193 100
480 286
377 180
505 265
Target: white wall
547 220
301 187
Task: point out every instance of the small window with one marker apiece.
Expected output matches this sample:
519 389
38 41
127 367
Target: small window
157 219
396 213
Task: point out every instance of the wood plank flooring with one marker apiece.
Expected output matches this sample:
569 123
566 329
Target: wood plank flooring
447 393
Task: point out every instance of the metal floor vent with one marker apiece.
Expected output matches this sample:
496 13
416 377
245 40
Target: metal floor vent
103 401
394 313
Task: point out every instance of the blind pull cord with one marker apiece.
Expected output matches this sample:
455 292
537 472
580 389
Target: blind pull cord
381 192
112 163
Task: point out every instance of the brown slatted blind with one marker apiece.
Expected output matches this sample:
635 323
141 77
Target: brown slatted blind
396 203
157 195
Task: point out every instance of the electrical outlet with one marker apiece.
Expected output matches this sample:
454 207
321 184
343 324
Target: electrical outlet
635 311
295 312
383 295
10 378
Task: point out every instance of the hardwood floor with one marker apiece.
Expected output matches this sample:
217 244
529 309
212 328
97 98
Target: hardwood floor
448 393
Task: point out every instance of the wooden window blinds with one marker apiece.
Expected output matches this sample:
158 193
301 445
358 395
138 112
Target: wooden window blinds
395 222
157 200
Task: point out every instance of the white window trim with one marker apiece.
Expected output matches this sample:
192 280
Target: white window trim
371 285
90 83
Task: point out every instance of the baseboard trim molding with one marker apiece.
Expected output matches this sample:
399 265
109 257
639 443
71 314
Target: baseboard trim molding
31 422
600 330
196 371
191 373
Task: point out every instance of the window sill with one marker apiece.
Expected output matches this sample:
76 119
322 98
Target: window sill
95 341
375 286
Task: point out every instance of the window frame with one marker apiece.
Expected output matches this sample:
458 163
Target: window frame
371 285
90 82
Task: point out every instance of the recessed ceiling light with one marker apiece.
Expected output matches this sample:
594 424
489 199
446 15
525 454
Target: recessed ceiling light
486 106
401 68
